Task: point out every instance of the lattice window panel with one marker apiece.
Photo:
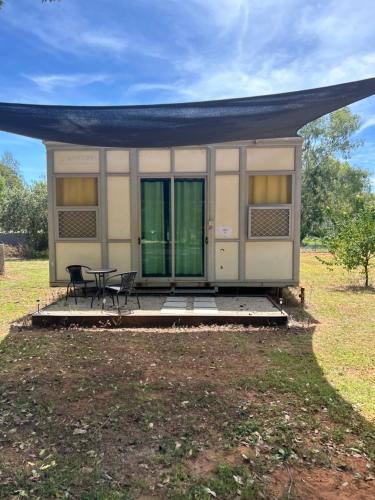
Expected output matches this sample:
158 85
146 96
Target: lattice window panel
77 224
269 222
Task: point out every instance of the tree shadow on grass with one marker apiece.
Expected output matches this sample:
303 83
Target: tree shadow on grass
156 413
356 289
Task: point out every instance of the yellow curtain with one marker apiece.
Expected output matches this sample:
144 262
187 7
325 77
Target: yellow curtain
269 189
76 191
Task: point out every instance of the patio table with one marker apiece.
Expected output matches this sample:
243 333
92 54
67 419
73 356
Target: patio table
100 279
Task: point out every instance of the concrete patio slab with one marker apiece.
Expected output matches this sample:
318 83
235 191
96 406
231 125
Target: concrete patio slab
164 311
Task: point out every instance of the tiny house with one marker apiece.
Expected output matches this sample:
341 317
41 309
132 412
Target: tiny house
213 215
203 194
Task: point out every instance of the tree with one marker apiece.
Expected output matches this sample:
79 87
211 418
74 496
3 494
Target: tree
9 171
36 223
328 180
13 209
24 210
351 239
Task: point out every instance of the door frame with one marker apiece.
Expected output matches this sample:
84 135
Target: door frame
172 176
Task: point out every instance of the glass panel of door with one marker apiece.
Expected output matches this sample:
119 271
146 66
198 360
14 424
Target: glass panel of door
185 247
156 227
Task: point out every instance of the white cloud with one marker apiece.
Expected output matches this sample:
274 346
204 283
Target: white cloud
367 124
151 87
281 51
48 83
105 42
66 29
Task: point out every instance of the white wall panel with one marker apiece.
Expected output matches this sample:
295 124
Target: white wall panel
190 160
119 256
82 161
226 206
117 161
85 254
269 260
227 159
154 160
118 195
258 158
226 260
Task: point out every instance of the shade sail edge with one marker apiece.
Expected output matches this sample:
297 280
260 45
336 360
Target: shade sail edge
183 124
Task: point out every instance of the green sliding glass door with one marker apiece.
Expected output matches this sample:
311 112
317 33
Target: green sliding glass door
156 227
185 247
189 227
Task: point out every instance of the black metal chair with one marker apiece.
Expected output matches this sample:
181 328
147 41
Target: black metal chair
76 281
126 286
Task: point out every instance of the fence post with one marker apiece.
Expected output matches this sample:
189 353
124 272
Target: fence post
2 258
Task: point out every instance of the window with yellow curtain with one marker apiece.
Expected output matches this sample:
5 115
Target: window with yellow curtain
76 191
270 189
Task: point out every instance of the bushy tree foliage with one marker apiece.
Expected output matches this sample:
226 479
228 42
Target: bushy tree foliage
351 239
329 182
37 217
23 208
9 171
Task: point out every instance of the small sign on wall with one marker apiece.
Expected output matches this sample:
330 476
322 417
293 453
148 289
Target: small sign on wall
76 161
225 231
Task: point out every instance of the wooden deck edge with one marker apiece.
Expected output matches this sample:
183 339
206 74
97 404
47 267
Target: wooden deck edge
154 321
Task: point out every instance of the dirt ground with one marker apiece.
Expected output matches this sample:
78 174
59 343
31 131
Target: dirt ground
174 414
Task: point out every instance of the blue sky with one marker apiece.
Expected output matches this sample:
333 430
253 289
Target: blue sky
149 51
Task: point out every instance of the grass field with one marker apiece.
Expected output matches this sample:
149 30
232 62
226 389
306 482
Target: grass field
191 413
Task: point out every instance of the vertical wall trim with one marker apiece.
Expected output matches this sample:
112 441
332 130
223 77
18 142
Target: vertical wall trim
103 233
51 217
172 242
211 194
242 216
172 160
297 212
135 230
172 215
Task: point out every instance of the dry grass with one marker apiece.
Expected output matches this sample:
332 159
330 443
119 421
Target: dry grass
192 413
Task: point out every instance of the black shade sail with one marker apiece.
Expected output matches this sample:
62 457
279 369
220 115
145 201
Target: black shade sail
193 123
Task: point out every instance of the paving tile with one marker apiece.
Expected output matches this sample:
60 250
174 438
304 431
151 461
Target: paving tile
205 304
204 299
205 311
172 311
175 304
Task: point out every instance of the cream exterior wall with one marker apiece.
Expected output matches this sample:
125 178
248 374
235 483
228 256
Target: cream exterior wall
274 158
190 160
242 261
117 161
227 206
227 159
269 260
118 200
86 254
154 160
226 260
83 161
119 256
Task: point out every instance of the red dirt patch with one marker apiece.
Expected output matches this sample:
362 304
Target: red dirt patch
320 484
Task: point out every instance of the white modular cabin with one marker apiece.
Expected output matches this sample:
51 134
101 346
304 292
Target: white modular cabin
201 194
207 216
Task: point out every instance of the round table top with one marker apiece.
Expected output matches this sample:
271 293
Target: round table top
101 271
